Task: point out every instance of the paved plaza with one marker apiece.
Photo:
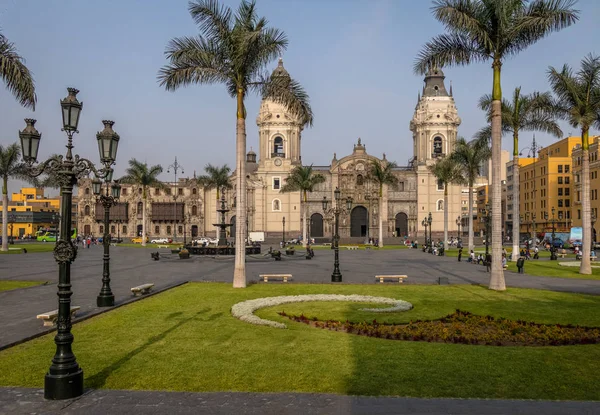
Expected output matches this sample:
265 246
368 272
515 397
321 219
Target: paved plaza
134 266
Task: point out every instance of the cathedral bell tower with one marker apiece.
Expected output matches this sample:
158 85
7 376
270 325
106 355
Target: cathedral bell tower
435 127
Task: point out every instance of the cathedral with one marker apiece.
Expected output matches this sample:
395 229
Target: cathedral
186 209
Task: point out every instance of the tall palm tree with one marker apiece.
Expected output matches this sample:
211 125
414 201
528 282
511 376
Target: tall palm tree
140 174
10 167
15 74
303 179
381 172
532 112
234 49
216 177
448 172
483 30
470 155
578 102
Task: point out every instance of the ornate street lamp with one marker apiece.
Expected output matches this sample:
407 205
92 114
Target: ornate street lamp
424 223
429 220
486 218
458 224
283 233
336 209
175 167
64 379
533 225
553 255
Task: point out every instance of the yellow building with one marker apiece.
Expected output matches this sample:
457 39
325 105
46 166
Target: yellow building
594 184
545 187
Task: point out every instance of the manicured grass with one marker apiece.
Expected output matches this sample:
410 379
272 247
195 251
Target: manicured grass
31 248
552 269
186 339
13 285
149 245
362 246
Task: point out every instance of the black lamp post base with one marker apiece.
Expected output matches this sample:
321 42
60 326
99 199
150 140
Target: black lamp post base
105 300
58 387
336 277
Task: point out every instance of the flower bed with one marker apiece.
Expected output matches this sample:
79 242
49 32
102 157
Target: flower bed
464 327
245 310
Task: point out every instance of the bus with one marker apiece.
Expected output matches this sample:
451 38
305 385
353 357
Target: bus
50 235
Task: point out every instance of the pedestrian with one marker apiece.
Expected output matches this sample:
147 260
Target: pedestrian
89 242
459 254
488 262
520 264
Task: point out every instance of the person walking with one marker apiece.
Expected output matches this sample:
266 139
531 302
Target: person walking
459 254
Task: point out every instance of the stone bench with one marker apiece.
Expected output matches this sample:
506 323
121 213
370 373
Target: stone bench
162 246
562 255
142 289
352 248
281 277
382 278
327 244
50 317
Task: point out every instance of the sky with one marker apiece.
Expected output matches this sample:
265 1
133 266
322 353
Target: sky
353 57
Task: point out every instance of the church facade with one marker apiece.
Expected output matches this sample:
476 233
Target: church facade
186 208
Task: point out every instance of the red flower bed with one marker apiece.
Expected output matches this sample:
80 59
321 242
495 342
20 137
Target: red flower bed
466 328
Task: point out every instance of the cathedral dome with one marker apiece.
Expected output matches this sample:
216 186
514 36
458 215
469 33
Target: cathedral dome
281 73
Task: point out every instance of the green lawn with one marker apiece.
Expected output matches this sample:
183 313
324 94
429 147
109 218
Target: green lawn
13 285
31 248
186 339
552 269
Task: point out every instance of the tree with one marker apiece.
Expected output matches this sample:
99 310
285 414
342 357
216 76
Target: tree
470 155
483 30
15 74
447 171
578 102
382 173
140 174
532 112
216 178
303 179
10 167
234 50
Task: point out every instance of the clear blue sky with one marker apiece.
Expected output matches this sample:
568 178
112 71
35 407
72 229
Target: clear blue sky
354 57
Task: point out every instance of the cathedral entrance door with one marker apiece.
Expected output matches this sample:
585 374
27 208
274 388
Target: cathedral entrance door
316 225
401 224
194 231
139 230
358 221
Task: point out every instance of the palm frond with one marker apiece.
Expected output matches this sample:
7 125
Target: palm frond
448 50
291 94
16 76
213 20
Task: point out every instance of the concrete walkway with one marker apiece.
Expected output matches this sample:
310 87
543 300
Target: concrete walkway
101 402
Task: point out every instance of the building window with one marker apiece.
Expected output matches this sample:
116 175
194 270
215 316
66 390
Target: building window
194 191
168 191
180 191
276 183
157 230
560 203
276 205
578 213
112 229
437 145
278 147
567 180
567 191
123 191
168 229
566 168
560 191
194 210
560 180
440 185
359 180
87 191
124 230
567 203
400 186
86 210
157 192
440 205
139 191
560 168
180 229
140 207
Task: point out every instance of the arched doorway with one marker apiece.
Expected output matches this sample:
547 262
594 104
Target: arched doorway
316 225
232 227
139 230
194 231
358 221
401 224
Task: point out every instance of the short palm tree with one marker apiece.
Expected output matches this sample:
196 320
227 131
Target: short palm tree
11 167
303 179
578 102
216 177
448 172
382 173
532 112
15 74
234 49
484 30
470 156
140 174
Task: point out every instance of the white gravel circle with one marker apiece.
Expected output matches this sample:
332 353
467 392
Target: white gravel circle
245 310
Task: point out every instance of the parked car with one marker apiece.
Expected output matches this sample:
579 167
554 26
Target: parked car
138 240
161 241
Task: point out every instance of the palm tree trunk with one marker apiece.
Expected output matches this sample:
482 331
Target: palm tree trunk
304 241
497 273
144 218
471 244
445 216
516 209
380 216
239 272
586 267
5 213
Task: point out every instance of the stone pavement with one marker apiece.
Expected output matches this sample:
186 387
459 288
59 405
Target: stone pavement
101 402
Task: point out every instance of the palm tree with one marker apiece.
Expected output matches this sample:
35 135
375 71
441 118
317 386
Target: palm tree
140 174
447 171
382 173
470 155
15 74
304 179
216 178
532 112
578 102
234 50
10 167
483 30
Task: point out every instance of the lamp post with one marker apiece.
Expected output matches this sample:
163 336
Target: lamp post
429 220
553 255
110 197
336 209
486 217
11 223
458 224
283 233
175 167
64 379
424 223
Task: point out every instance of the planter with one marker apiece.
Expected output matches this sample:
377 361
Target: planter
184 255
289 252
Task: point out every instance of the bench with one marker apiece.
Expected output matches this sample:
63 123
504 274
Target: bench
562 255
327 244
162 246
50 317
113 244
352 248
399 278
142 289
282 277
